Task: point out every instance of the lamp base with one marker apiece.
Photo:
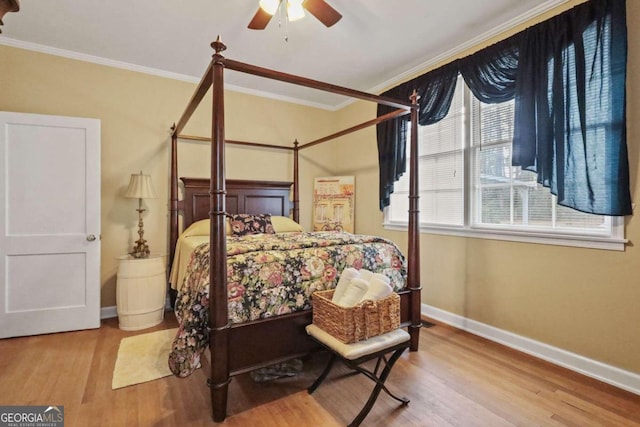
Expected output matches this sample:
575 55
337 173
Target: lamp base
141 249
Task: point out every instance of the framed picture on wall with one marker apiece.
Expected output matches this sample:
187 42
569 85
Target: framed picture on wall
334 203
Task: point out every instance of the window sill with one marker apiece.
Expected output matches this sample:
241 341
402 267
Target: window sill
585 241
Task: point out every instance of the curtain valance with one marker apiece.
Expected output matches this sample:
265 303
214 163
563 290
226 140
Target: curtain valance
567 76
435 90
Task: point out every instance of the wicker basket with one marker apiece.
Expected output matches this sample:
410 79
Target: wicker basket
360 322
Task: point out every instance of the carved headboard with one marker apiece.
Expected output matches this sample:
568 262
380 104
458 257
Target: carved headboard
252 197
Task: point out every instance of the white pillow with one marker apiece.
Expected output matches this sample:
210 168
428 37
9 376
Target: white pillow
283 224
201 228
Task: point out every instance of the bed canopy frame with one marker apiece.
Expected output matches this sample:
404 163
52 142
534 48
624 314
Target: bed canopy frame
250 343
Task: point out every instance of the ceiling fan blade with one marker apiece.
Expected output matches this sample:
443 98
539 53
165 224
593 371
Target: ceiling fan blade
321 10
260 20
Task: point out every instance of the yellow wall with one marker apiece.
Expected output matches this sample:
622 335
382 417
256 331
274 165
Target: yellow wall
582 300
136 111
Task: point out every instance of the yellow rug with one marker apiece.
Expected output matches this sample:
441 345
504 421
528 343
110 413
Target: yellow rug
143 358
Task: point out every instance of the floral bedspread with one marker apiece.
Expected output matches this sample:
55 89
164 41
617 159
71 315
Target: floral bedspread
269 275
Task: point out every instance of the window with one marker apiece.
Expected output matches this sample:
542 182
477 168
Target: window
468 186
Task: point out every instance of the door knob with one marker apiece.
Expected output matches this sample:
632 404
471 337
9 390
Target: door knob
91 237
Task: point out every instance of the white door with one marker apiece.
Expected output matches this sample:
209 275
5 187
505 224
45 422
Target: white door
49 224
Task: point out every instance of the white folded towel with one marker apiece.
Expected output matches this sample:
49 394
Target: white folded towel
353 293
379 287
366 274
346 276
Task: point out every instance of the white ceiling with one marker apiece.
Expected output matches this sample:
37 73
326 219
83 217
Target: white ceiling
375 45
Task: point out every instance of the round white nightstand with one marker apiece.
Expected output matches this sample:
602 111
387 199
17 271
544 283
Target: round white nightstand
141 288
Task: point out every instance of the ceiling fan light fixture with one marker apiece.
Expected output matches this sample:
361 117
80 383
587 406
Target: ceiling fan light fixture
295 10
270 6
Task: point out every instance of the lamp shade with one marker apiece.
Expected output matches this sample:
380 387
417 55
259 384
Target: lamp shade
140 187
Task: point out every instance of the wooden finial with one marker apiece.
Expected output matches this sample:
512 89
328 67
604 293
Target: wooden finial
295 143
218 46
414 97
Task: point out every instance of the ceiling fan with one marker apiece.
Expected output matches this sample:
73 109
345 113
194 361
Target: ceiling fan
294 11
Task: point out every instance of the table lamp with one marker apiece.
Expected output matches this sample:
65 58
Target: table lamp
140 187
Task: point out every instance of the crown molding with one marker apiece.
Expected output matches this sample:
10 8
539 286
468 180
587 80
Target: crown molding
456 51
7 41
20 44
425 65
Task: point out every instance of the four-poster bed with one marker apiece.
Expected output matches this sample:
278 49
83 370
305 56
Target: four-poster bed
238 348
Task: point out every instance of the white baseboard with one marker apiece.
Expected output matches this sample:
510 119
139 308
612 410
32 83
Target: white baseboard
620 378
108 312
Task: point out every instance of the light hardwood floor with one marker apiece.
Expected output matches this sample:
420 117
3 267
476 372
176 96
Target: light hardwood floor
456 379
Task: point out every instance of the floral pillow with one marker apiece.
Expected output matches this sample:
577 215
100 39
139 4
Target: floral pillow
242 224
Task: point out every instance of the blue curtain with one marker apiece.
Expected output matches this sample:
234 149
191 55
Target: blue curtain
491 73
567 76
435 90
570 107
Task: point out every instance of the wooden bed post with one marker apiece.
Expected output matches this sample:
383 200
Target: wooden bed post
218 309
413 279
284 336
296 183
173 203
